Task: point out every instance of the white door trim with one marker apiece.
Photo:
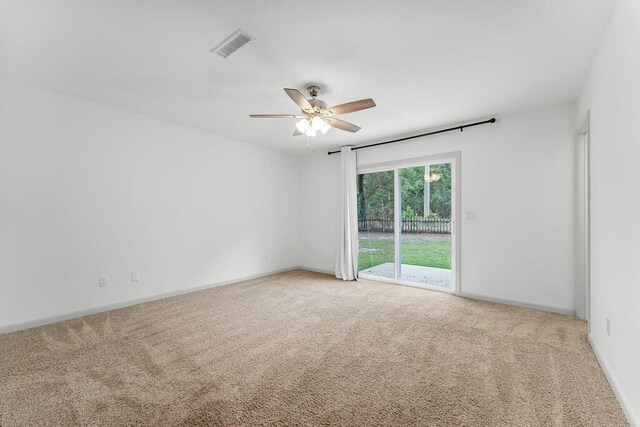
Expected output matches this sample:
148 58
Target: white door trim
397 214
583 278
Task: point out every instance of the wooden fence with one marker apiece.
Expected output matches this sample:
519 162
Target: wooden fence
409 225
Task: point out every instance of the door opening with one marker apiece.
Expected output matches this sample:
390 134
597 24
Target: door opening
582 231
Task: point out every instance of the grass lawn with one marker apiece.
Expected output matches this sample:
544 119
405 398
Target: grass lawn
426 253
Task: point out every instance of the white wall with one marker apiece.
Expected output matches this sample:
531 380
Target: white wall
87 190
612 94
517 175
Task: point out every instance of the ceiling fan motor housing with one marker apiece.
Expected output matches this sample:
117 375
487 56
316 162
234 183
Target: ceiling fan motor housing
317 104
313 90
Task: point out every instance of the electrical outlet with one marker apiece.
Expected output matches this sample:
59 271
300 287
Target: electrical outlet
266 257
135 276
102 281
471 215
608 326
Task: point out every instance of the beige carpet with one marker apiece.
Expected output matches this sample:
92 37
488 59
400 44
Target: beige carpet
301 348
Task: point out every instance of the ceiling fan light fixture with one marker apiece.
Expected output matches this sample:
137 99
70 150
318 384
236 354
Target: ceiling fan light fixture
303 125
324 127
433 177
310 132
320 125
316 123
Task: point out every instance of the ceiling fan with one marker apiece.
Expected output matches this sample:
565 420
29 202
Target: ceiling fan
316 117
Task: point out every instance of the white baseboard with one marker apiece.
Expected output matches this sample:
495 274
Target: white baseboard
12 327
560 310
316 270
633 419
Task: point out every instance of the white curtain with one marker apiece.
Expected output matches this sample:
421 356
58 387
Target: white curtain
347 254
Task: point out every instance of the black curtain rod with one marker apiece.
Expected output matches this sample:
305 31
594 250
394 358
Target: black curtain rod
460 128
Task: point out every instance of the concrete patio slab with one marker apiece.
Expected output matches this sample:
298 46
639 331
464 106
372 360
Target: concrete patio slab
440 277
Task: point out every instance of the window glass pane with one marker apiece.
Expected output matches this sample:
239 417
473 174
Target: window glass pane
376 224
425 225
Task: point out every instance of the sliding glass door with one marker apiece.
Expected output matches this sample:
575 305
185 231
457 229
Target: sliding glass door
406 222
376 223
425 231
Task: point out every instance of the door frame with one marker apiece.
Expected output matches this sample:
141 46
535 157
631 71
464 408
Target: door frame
454 158
583 278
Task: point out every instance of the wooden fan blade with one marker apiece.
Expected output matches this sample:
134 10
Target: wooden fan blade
274 116
297 132
341 124
299 99
351 107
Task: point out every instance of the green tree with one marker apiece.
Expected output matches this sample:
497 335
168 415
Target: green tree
375 193
412 185
440 200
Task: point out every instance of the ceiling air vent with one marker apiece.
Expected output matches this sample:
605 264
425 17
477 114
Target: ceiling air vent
232 43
